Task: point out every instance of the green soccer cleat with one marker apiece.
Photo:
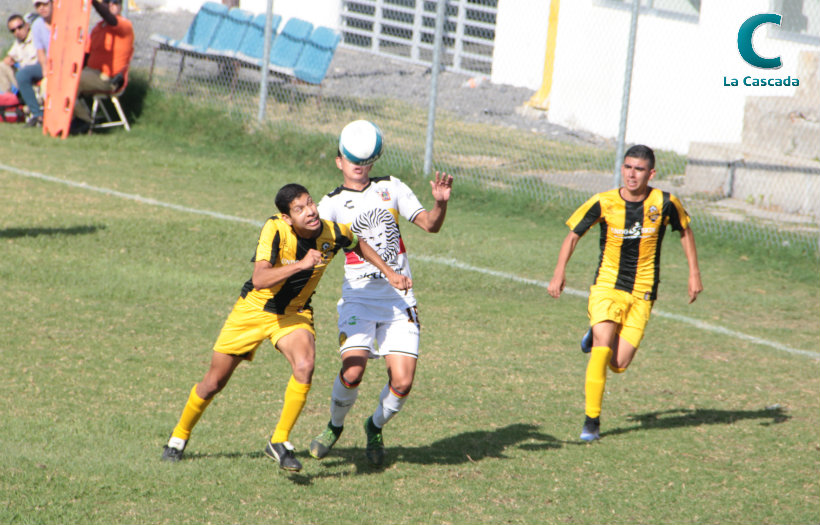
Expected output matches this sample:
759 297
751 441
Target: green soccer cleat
375 442
321 444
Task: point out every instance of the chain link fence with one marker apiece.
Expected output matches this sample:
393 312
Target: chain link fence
529 92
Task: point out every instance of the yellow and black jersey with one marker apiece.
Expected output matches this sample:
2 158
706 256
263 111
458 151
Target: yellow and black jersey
631 236
280 245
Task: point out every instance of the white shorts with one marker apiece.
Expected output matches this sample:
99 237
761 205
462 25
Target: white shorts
381 330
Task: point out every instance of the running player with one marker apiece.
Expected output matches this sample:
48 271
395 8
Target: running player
375 320
293 251
633 220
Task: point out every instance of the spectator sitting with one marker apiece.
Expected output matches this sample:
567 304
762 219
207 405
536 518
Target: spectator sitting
108 53
21 53
28 76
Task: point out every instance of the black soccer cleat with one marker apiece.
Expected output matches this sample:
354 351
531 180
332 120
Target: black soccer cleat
173 450
592 429
283 453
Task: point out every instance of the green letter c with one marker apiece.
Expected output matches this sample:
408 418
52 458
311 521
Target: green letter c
744 41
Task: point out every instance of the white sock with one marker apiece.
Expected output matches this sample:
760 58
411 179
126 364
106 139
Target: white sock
341 400
389 406
176 443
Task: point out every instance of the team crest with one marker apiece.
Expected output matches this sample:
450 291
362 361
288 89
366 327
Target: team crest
326 250
342 338
385 194
379 229
653 213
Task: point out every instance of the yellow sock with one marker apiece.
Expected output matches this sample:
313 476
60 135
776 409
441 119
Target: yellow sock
616 369
190 415
295 397
596 379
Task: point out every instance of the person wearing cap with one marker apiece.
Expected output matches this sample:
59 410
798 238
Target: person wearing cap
109 49
375 320
27 77
22 52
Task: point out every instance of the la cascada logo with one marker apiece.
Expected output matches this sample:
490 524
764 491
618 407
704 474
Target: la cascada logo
748 53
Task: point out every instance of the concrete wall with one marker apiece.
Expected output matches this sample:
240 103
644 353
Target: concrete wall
678 94
520 43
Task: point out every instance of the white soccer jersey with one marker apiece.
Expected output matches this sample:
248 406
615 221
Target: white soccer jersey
373 214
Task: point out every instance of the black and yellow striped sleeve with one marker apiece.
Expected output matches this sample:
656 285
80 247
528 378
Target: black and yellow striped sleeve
678 219
586 216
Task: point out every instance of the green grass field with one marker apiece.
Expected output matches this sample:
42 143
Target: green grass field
111 305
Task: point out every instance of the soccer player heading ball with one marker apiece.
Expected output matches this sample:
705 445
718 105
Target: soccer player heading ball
293 250
375 320
633 219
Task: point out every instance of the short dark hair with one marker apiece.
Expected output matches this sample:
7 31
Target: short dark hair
15 16
640 151
287 194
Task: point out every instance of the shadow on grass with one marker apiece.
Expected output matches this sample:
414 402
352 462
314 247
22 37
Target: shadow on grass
16 233
468 447
678 418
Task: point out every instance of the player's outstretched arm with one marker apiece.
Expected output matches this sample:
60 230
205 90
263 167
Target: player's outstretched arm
687 240
432 220
559 276
266 275
398 281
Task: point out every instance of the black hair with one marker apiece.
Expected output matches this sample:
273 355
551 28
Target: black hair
287 194
15 16
640 151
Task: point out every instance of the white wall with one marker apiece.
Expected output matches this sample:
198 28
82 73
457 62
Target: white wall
520 42
677 92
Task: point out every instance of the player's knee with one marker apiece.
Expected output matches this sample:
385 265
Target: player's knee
618 369
352 375
210 386
401 387
303 369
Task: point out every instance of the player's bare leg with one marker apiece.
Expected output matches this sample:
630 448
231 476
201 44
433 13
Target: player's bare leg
218 374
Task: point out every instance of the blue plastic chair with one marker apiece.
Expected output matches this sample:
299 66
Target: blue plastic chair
229 34
316 56
288 45
252 47
202 29
197 39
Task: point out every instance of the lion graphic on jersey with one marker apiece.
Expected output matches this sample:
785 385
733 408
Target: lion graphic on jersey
379 229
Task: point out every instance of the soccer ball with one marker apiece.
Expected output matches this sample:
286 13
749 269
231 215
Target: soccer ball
361 142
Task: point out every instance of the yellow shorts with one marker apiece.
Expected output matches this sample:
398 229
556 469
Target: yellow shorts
623 308
246 328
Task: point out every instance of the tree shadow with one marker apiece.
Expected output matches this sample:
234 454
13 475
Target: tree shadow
16 233
681 417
